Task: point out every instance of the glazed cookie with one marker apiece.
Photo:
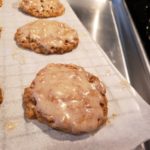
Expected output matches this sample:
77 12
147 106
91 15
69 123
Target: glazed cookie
47 37
1 96
67 98
42 8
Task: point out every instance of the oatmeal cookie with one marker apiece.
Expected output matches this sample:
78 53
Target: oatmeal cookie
42 8
47 37
67 98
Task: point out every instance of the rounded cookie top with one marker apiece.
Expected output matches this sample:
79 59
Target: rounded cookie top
42 8
47 37
68 98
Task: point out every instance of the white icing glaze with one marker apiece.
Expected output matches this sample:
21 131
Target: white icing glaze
48 33
68 96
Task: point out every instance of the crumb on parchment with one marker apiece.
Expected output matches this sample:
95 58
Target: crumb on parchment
0 30
10 125
1 96
111 118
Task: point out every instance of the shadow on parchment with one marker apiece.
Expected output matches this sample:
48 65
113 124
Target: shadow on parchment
56 134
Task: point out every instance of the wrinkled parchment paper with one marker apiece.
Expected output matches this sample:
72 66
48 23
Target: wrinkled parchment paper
129 116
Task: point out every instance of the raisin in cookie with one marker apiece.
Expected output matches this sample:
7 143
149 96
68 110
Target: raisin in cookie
47 37
42 8
1 96
67 98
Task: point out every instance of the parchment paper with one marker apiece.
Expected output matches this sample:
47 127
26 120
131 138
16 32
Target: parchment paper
129 115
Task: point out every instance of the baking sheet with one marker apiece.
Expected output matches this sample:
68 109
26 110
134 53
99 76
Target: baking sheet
129 121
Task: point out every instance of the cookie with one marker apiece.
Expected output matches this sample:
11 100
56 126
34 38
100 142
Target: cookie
67 98
47 37
1 3
1 96
42 8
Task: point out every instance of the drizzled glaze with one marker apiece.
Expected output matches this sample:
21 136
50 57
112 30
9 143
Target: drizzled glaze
65 93
48 33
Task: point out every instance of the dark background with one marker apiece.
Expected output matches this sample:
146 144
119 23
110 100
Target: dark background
140 12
